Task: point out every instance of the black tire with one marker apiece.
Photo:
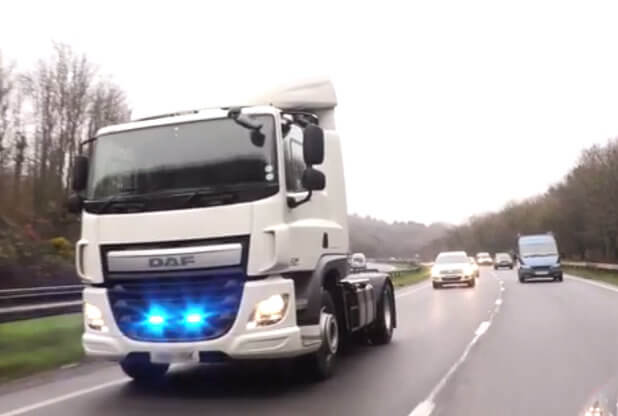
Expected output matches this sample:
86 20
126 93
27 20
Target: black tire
436 285
495 267
321 364
143 371
522 280
381 332
472 283
558 279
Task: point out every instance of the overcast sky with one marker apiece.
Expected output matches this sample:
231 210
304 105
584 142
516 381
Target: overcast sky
446 109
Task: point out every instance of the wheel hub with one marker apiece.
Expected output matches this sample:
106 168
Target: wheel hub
330 331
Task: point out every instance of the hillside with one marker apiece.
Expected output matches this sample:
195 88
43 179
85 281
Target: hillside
377 238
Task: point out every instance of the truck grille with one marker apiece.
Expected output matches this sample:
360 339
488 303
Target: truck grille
177 310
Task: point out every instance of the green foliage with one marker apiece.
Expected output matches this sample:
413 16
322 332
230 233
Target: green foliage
411 278
607 276
34 345
62 247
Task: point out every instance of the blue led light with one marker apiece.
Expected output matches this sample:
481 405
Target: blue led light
156 319
194 318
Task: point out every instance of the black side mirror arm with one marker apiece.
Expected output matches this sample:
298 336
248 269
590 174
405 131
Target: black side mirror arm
293 203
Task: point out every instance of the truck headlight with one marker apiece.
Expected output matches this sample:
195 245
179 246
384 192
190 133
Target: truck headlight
94 317
269 311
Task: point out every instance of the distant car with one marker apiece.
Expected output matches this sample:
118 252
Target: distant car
475 267
503 260
484 259
452 267
538 257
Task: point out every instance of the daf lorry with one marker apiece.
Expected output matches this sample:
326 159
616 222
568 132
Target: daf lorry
222 234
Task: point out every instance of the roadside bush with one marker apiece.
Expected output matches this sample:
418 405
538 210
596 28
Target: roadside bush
62 247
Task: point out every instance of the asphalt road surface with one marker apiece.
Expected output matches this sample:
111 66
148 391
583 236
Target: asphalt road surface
502 348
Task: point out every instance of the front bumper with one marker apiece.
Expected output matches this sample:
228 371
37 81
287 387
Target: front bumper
540 274
452 279
283 339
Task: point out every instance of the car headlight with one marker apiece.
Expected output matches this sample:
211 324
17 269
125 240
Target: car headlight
524 266
268 311
93 316
467 271
435 272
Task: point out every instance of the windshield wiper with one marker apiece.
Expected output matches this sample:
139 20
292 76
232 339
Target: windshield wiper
246 121
208 198
127 201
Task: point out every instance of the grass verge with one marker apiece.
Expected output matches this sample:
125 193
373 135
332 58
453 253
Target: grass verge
34 345
411 278
607 276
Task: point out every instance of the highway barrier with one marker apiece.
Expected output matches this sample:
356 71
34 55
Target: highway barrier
36 302
590 265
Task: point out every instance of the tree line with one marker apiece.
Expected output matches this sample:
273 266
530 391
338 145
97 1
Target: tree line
380 239
45 112
581 211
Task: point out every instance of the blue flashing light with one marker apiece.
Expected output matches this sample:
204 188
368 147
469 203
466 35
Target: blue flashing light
156 319
194 318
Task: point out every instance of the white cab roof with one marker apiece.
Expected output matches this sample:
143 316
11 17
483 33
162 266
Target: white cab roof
313 95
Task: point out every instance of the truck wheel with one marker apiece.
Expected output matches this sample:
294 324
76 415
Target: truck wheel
143 371
321 363
381 331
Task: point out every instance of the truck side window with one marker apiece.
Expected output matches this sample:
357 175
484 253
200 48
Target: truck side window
294 161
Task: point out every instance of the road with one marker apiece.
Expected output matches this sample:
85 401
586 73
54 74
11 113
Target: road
502 348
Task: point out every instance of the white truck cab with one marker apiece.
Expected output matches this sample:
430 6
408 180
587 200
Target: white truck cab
221 234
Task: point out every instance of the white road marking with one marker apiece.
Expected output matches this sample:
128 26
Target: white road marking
29 408
426 407
593 283
483 327
423 409
403 293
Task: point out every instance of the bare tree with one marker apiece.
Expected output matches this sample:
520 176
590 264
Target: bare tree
6 90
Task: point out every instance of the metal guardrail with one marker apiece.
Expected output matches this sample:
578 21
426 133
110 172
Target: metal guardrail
399 272
18 304
591 265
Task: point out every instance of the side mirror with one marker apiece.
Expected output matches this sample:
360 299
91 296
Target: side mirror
75 203
80 173
313 145
313 180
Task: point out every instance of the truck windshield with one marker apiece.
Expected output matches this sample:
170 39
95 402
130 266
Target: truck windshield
212 156
538 248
